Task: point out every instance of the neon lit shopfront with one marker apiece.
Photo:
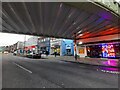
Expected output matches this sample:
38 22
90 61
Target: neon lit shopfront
108 50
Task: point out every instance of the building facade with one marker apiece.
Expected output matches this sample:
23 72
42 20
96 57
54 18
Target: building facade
20 47
67 47
44 44
31 45
55 46
61 46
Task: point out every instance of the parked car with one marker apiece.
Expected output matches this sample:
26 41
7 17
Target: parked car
34 55
5 52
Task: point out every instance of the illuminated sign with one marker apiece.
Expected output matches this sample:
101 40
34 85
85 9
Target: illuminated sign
29 47
81 51
68 46
108 50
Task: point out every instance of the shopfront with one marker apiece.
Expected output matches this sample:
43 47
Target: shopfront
30 49
44 45
107 50
63 47
55 48
94 51
69 49
81 51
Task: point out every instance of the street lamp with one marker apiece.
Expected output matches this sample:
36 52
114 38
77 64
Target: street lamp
80 43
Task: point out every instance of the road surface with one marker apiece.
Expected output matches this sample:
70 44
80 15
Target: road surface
21 72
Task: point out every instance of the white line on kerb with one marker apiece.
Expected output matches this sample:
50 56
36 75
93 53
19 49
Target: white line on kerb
22 67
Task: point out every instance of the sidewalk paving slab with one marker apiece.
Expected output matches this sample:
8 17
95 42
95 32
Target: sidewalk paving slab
90 61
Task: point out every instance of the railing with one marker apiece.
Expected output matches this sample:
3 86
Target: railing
111 4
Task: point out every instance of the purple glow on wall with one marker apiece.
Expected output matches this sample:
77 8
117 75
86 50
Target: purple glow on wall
99 20
105 15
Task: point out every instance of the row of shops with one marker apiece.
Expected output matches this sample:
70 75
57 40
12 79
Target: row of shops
62 46
65 47
107 46
51 45
106 50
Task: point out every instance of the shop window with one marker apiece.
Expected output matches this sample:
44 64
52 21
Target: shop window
94 51
108 51
81 51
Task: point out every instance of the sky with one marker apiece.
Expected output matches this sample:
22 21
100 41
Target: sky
10 39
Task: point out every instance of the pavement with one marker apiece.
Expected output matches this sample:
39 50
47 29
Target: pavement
91 61
22 72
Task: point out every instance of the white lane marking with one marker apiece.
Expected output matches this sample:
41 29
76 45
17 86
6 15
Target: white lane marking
22 67
113 72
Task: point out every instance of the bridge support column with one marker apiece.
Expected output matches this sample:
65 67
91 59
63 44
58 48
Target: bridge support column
75 46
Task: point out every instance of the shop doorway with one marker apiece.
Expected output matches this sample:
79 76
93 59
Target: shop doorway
68 51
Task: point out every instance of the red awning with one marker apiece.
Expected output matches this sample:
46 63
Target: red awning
29 47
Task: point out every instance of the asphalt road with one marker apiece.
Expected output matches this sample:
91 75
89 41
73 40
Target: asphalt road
21 72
